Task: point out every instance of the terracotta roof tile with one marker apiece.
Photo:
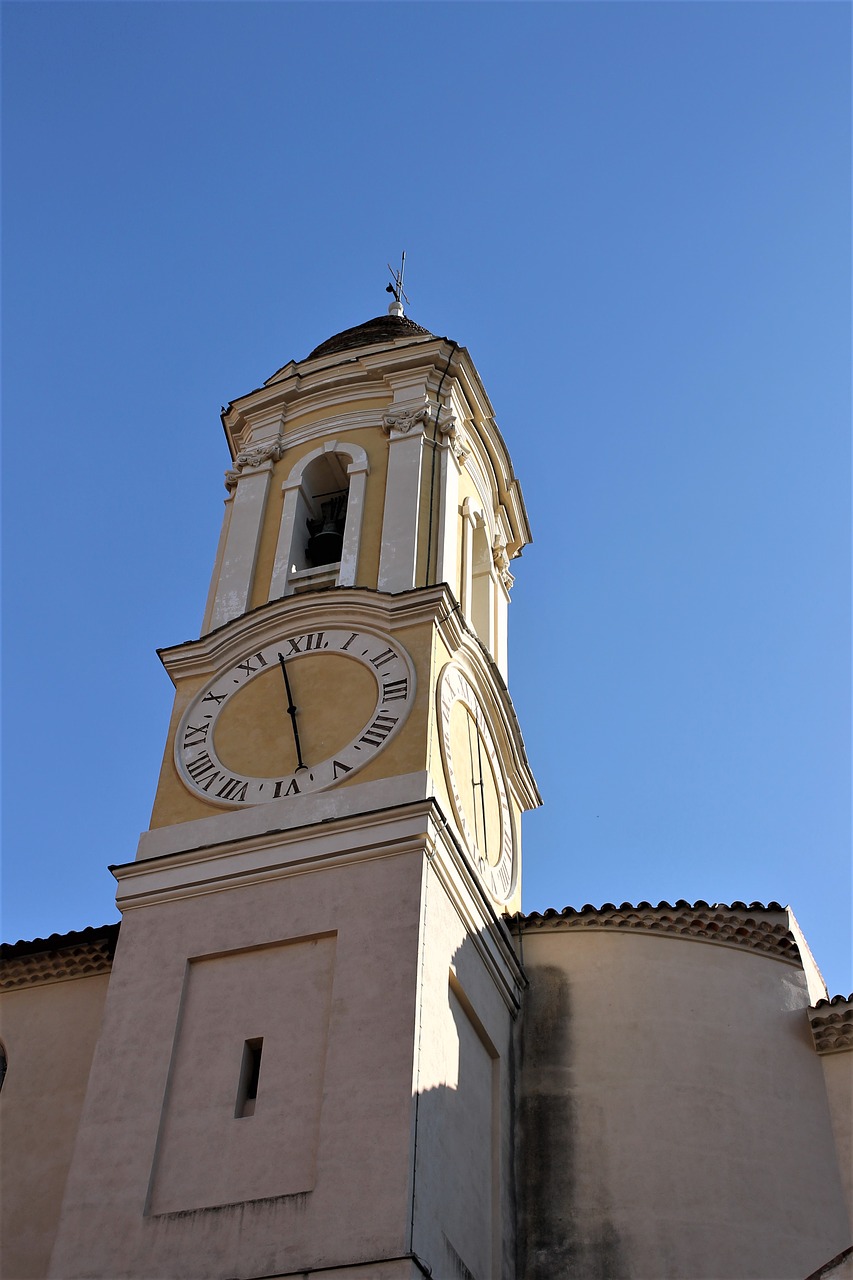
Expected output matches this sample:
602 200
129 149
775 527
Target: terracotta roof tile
381 329
734 924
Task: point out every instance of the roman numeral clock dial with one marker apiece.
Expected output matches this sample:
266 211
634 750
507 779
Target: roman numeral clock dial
297 715
476 782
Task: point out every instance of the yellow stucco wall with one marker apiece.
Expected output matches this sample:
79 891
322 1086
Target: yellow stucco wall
375 444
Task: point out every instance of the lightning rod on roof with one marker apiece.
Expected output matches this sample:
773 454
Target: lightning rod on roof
396 307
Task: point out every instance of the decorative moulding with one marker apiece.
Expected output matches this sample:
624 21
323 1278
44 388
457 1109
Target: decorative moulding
832 1024
449 427
501 559
405 419
255 456
757 927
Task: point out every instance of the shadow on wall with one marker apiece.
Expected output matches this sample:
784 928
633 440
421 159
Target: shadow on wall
550 1242
494 1187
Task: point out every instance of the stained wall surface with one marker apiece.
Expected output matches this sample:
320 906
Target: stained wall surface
673 1117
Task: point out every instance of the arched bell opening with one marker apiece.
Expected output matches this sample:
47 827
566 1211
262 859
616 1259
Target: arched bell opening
482 585
324 498
320 530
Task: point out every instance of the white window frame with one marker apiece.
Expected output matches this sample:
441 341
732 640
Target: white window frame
284 577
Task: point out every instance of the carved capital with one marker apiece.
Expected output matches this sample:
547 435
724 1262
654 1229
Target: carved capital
255 456
405 420
455 436
501 561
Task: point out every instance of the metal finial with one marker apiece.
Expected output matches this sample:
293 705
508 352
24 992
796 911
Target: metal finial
396 307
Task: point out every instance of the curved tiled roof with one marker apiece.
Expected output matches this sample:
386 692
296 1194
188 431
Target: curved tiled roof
734 924
77 954
381 329
832 1024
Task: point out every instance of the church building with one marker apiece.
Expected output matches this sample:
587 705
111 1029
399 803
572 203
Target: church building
323 1041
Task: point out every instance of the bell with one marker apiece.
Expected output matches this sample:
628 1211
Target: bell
326 542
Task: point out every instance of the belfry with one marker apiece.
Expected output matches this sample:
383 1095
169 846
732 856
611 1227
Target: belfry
325 1042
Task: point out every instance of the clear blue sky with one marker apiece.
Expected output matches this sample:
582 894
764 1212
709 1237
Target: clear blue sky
635 216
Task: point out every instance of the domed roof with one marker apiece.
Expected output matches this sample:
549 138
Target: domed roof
386 328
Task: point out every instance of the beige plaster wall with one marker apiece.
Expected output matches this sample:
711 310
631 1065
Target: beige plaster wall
49 1032
463 1222
673 1117
328 1178
838 1073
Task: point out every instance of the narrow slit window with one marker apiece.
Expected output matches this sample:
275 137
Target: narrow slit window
250 1074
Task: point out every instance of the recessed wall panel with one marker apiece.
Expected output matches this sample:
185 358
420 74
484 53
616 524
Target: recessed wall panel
212 1149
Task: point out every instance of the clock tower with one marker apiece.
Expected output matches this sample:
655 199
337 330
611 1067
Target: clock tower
305 1063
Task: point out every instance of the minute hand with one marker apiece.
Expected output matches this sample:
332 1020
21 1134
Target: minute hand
291 711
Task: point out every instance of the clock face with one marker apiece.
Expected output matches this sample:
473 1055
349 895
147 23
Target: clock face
299 715
476 782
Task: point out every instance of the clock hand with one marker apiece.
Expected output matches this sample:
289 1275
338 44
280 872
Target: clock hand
474 782
291 711
482 798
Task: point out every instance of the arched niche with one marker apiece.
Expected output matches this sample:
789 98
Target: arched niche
321 516
478 577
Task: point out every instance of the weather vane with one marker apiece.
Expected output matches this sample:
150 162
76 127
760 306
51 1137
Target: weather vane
396 307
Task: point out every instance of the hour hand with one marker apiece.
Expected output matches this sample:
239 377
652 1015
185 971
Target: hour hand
291 711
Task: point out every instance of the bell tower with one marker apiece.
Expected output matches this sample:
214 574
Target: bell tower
305 1060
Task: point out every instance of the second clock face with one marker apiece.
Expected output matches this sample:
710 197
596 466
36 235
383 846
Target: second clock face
298 715
476 782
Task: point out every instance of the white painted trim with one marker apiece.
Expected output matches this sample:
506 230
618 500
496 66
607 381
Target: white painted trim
233 590
401 517
310 809
358 470
217 564
448 517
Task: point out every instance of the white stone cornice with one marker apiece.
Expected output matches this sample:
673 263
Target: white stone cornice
261 626
404 821
336 424
269 853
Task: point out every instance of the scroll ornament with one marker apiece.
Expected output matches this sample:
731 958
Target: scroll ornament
501 560
255 456
455 436
404 420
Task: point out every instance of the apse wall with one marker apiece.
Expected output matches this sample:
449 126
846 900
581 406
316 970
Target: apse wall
673 1116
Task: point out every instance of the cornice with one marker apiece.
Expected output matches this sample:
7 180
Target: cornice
325 365
754 928
311 609
59 958
832 1024
463 643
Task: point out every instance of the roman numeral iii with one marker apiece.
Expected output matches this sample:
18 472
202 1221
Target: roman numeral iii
395 690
